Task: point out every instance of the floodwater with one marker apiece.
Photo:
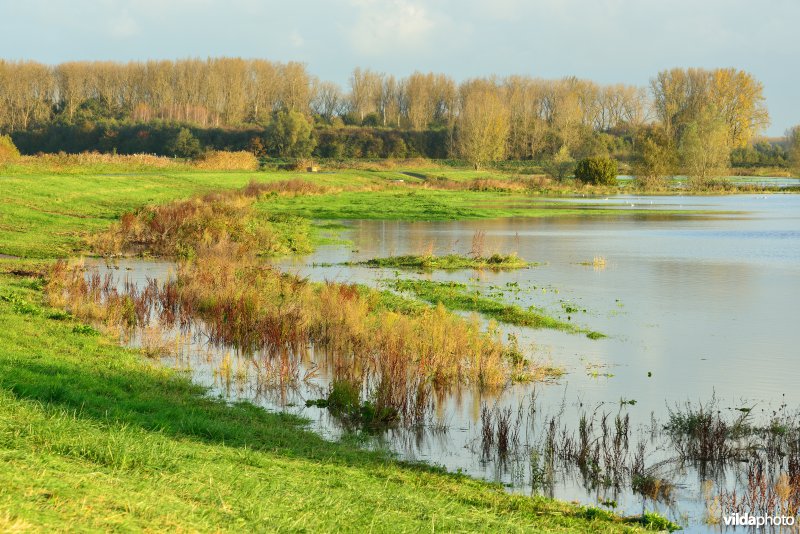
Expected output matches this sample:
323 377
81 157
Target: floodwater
694 307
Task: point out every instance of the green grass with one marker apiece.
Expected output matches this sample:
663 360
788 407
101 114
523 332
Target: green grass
50 215
449 262
434 205
92 437
457 296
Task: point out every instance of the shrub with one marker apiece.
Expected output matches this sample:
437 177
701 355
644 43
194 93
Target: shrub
8 151
184 145
598 171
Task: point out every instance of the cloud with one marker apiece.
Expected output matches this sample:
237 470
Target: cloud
382 27
122 26
296 39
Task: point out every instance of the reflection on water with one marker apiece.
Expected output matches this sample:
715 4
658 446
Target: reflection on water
693 307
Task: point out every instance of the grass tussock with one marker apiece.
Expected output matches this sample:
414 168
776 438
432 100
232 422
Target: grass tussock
449 262
292 187
397 360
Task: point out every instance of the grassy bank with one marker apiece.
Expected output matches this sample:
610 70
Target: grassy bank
94 437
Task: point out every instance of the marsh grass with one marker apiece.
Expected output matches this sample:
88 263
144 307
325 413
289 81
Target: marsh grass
178 229
399 360
457 296
449 262
500 431
598 263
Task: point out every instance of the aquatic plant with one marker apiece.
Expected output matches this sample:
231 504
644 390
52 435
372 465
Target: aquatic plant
457 296
449 262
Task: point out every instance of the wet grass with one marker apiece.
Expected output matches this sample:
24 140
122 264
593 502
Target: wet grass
92 436
449 262
458 296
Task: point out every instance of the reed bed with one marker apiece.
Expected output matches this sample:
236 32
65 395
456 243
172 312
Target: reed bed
512 184
63 162
221 160
178 229
398 361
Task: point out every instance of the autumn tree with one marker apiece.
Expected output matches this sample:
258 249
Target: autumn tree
654 158
482 125
704 148
733 97
365 87
328 100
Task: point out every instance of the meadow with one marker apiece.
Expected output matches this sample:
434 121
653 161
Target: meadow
94 435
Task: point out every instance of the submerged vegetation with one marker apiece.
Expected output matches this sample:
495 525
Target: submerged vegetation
449 262
458 296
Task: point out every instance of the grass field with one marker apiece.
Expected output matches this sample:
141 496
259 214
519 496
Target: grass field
94 436
50 215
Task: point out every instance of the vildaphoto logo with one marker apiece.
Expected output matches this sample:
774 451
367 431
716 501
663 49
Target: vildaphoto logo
748 520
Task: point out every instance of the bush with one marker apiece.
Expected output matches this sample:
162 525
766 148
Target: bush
184 145
8 151
598 171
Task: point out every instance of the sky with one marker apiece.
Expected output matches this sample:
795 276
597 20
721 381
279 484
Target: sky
608 41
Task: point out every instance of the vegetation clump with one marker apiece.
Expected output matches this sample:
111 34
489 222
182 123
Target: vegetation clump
178 229
456 296
220 160
449 262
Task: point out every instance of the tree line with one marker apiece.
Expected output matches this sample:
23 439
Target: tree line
693 119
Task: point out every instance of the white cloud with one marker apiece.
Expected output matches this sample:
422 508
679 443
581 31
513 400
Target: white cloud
391 25
296 39
122 26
